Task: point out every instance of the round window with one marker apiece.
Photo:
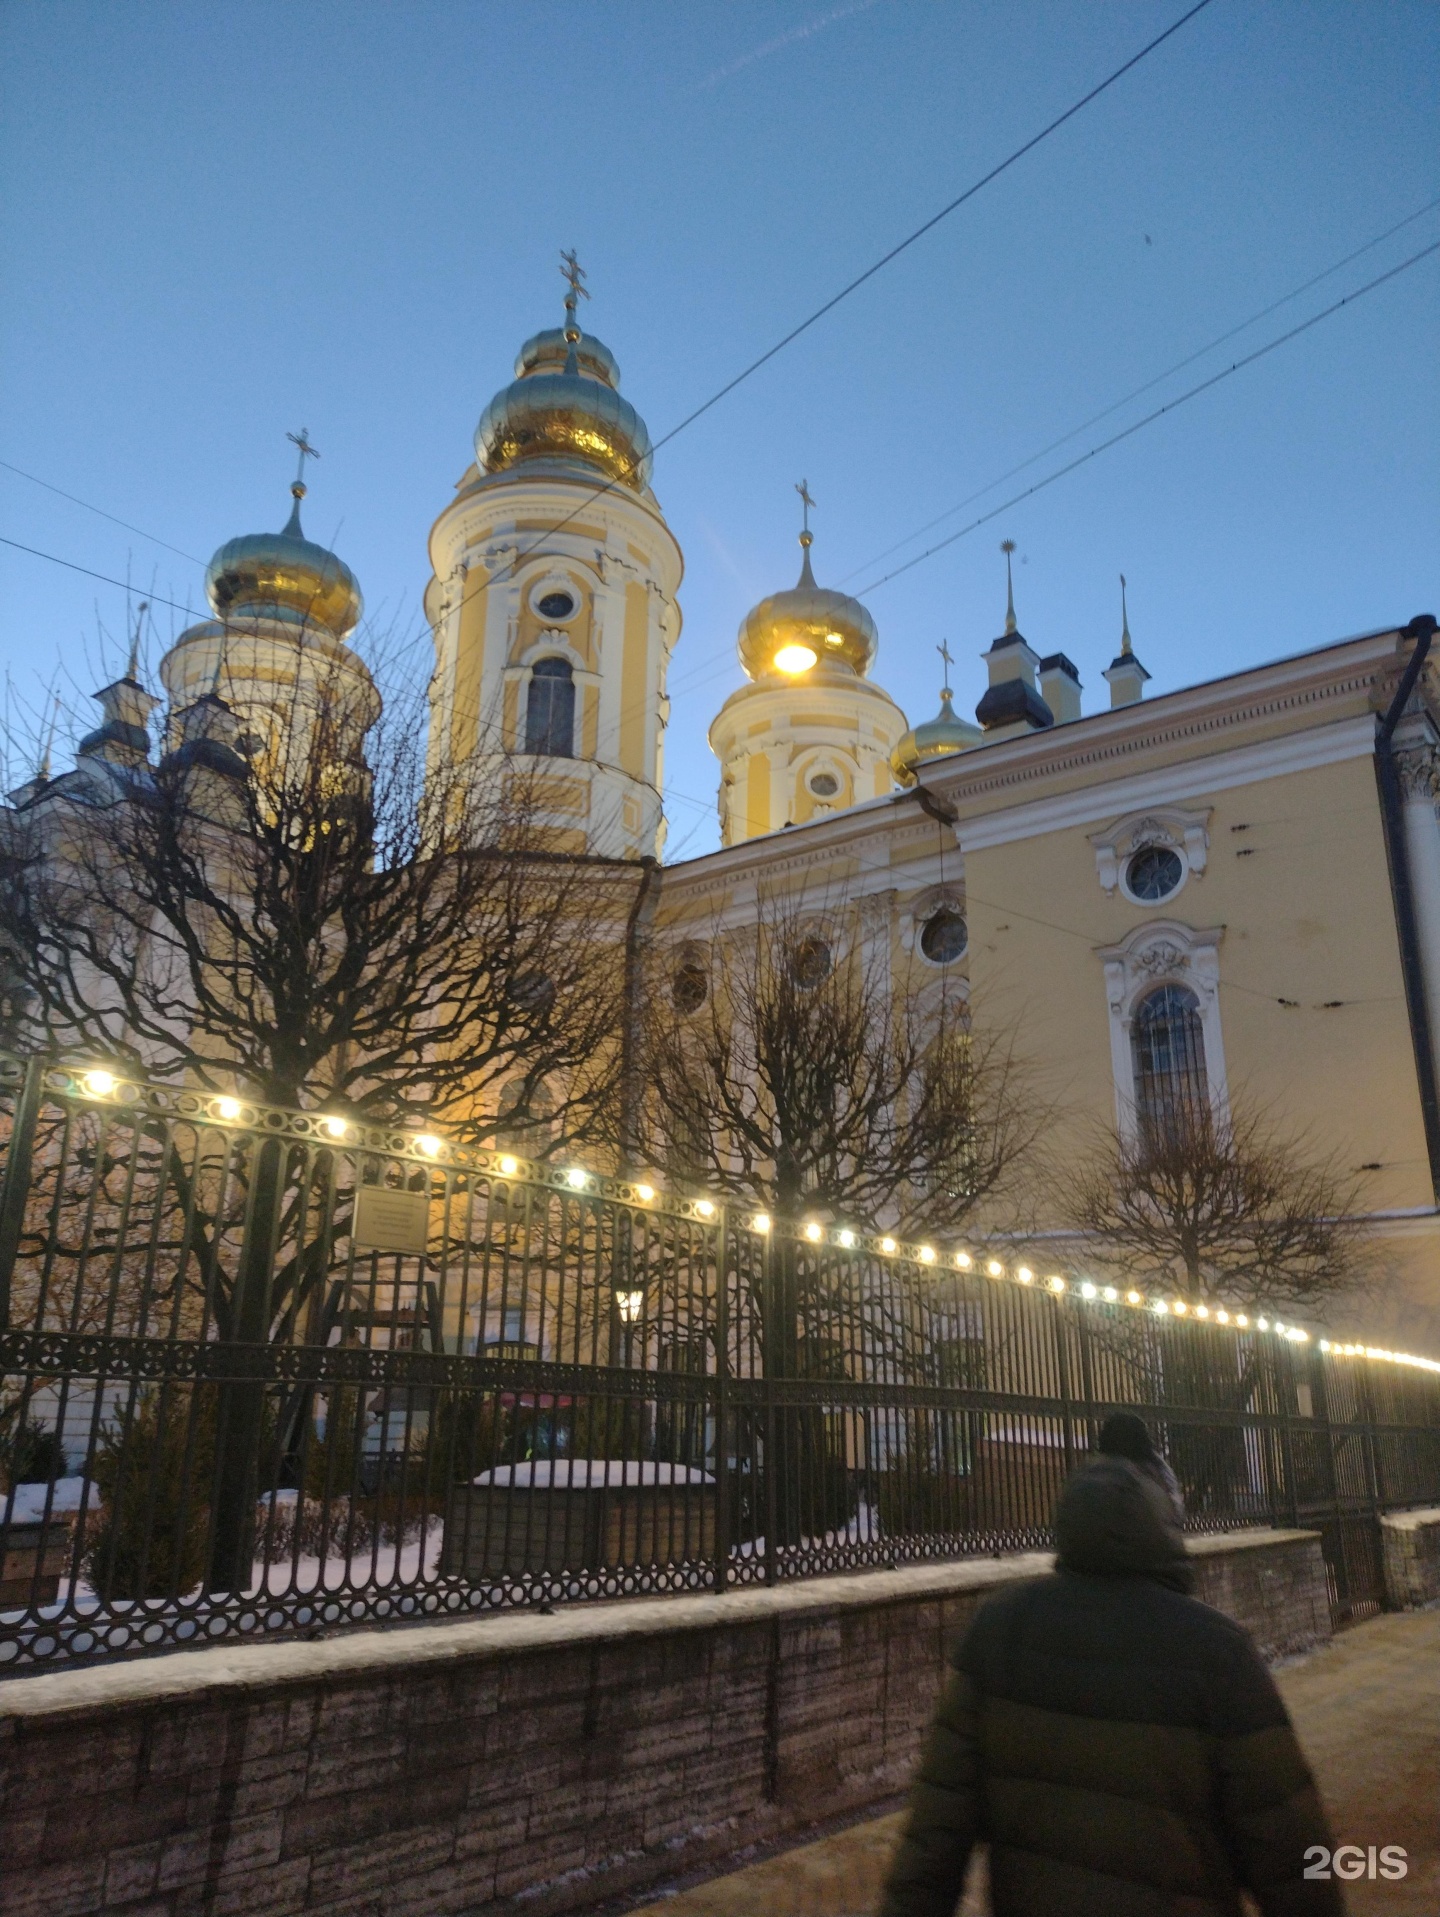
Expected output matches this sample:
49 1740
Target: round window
555 605
532 991
813 962
943 936
1153 872
690 987
823 784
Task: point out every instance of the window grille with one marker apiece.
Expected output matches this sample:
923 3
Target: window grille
1169 1048
550 710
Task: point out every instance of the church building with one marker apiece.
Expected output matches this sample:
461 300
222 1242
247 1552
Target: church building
1238 881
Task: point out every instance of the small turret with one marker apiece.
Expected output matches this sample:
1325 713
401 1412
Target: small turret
1012 704
123 736
1125 674
1060 687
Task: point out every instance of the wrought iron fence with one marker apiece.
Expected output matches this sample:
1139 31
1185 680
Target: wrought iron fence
273 1371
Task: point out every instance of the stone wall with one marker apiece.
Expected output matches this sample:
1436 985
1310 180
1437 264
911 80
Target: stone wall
449 1768
1411 1542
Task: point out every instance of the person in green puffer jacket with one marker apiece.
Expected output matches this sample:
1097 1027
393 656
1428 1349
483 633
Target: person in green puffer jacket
1119 1746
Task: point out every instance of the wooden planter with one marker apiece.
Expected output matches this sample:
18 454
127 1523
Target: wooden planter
37 1556
506 1529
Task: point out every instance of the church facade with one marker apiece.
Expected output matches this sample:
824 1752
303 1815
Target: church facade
1243 875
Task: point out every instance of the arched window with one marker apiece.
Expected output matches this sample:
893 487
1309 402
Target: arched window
1169 1049
550 710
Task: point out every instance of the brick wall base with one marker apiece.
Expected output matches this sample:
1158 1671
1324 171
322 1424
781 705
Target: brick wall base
1411 1541
450 1768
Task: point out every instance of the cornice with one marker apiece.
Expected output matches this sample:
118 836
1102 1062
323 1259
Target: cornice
1354 669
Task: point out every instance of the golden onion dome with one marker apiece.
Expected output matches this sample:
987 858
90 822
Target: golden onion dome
564 406
792 632
943 734
547 352
286 577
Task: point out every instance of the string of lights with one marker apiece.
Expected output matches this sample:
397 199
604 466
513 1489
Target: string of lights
108 1088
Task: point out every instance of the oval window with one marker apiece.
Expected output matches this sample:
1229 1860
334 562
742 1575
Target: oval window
824 784
1153 872
555 605
690 987
943 936
813 962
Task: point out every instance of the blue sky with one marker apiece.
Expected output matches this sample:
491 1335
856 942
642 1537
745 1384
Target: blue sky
221 223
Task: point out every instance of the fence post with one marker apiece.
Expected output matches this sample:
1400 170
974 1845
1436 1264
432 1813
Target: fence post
724 1527
17 1177
239 1414
772 1446
1062 1353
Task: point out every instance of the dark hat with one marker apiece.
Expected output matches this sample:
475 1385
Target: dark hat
1124 1435
1113 1520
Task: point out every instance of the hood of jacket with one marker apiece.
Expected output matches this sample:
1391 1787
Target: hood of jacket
1113 1520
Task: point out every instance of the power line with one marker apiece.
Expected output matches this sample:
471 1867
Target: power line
934 221
1169 407
75 500
854 285
1170 371
154 598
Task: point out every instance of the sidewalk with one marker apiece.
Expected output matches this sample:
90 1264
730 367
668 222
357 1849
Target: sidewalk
1367 1708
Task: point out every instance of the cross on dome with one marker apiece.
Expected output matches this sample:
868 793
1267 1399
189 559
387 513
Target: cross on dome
307 451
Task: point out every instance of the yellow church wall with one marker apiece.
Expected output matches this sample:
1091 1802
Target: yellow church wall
589 720
757 795
469 662
633 677
1297 876
1302 891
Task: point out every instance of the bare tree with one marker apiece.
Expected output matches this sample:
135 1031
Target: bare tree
802 1072
806 1075
1225 1209
312 916
316 917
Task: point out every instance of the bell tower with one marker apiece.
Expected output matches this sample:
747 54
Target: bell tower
553 601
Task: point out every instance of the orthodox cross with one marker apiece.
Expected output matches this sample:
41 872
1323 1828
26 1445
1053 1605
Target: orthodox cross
944 651
806 502
307 451
573 273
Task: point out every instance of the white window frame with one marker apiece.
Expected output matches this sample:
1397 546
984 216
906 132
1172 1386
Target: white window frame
1163 952
1182 830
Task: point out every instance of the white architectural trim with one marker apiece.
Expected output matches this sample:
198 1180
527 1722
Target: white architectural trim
1184 830
1164 952
1173 785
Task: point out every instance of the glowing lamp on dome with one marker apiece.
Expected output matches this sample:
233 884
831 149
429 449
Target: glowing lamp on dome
795 658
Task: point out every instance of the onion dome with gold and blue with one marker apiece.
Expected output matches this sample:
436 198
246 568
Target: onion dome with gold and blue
564 407
947 732
809 733
809 626
285 577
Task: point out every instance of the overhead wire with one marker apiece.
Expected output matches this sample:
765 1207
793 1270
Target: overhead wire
1149 419
828 306
1147 386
